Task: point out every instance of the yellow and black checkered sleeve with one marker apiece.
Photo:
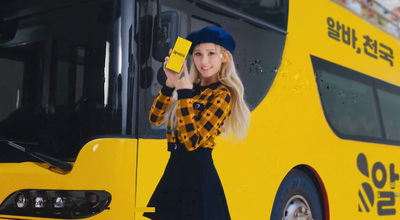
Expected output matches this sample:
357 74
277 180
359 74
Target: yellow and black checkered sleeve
195 130
160 103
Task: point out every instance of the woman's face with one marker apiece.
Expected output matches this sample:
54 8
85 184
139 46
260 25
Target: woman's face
208 62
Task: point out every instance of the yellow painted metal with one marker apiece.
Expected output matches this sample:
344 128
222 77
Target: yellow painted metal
103 164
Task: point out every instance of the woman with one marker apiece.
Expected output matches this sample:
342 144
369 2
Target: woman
200 110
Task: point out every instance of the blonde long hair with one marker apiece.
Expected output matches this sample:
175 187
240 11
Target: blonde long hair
238 122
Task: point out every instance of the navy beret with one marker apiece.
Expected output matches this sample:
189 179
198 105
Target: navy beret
214 35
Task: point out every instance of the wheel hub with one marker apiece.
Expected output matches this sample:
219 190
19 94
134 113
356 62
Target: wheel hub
297 208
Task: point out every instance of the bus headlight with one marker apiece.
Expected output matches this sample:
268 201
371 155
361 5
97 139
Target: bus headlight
59 202
40 202
93 199
56 204
21 201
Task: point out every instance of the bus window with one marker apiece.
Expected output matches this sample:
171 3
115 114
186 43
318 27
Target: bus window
390 107
348 100
62 80
11 87
357 106
272 11
257 67
349 105
266 19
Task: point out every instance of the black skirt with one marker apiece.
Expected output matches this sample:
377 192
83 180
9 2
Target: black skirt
190 189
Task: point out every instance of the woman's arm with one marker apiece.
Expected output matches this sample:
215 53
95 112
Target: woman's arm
195 130
160 103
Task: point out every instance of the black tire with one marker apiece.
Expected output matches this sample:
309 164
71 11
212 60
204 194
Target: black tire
297 194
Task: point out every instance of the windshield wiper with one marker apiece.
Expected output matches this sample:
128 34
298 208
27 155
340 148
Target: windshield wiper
42 157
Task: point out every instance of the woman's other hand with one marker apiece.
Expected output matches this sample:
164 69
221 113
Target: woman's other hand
184 82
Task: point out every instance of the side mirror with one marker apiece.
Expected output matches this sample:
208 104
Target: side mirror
166 30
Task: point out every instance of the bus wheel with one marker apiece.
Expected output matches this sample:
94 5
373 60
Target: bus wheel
297 198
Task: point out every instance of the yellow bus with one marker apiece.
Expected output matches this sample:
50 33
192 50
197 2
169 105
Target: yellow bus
78 77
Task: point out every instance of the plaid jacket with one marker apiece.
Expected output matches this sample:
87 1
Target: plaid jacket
201 113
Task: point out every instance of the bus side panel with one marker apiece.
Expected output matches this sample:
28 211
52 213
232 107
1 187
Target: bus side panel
102 164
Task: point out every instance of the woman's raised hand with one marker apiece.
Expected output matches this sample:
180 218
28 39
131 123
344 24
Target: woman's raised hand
178 80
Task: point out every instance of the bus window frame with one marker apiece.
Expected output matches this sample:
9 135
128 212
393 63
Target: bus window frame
319 64
243 16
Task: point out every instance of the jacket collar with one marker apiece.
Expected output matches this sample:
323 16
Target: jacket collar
197 88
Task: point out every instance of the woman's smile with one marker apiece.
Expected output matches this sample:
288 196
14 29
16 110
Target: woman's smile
205 68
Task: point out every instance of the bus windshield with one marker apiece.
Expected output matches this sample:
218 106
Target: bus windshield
59 78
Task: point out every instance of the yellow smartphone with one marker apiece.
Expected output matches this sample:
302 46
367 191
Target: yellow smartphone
179 53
